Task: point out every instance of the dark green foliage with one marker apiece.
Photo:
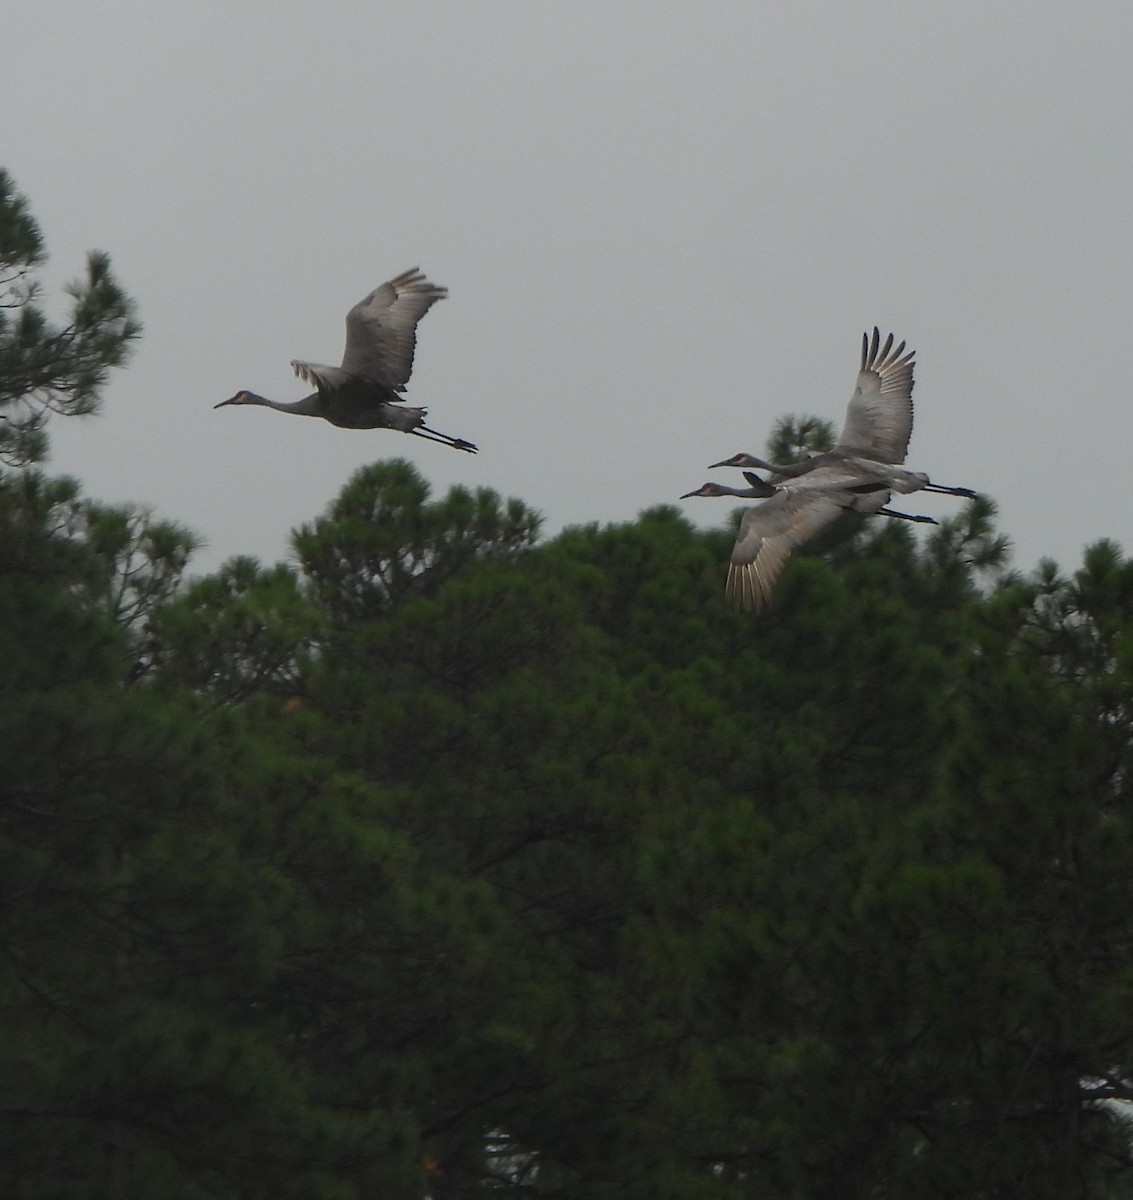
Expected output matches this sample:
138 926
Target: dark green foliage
46 368
382 542
446 863
145 925
794 438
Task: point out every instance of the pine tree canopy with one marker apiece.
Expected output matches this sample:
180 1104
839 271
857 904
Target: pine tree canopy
445 860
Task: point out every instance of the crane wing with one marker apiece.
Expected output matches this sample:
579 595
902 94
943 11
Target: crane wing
381 331
328 380
769 534
879 419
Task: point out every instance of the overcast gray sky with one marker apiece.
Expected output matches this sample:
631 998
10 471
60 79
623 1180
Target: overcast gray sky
662 226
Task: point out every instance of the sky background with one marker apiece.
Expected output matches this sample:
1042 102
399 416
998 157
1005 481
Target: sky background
662 227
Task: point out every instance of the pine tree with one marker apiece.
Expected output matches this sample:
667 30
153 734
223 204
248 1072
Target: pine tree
45 368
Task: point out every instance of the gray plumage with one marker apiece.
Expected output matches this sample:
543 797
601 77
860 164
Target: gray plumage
878 425
791 514
365 392
858 475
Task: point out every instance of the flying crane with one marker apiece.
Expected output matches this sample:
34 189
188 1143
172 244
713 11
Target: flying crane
365 392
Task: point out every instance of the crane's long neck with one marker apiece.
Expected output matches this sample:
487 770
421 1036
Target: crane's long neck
790 470
309 406
747 493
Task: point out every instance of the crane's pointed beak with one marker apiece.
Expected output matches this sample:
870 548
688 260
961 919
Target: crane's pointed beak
726 463
687 494
230 400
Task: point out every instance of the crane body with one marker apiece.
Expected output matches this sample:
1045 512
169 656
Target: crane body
365 392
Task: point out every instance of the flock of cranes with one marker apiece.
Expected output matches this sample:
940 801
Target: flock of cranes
858 475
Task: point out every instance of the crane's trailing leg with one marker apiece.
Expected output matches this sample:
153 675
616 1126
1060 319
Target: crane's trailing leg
921 520
434 435
949 491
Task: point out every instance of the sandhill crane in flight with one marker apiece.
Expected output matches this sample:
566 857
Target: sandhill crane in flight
879 422
857 475
791 514
366 391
